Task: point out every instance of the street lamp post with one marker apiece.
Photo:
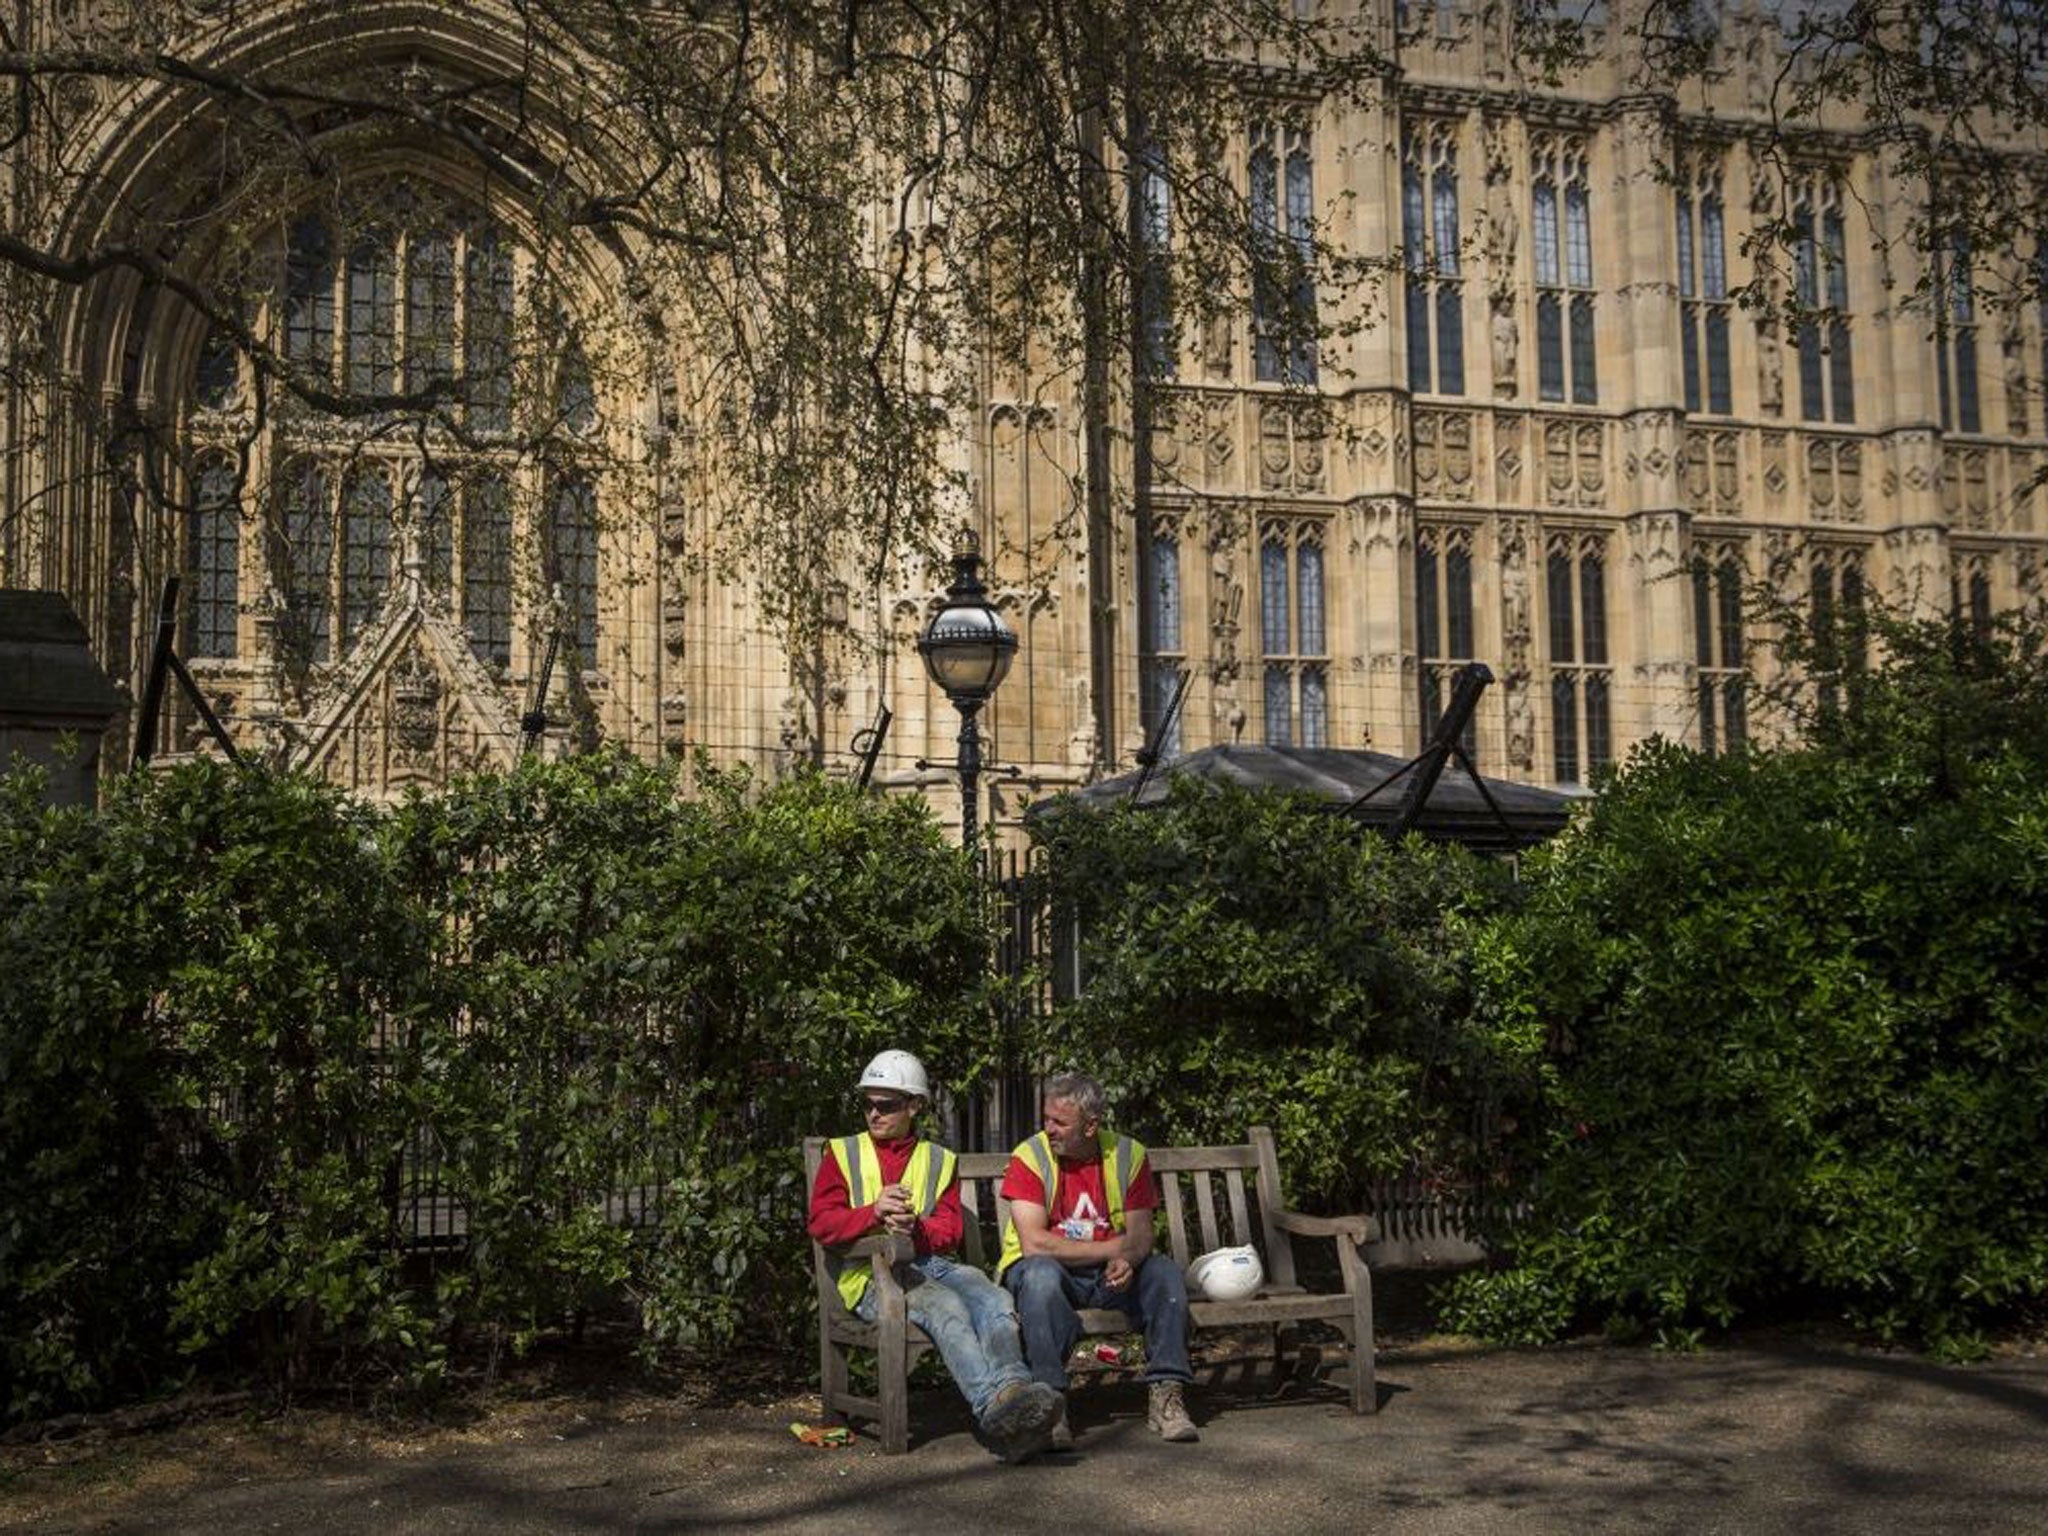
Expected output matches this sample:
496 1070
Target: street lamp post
967 649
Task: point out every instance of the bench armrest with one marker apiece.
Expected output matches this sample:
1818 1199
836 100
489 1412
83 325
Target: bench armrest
895 1247
1358 1228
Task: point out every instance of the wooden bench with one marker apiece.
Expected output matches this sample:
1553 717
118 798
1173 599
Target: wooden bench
1196 1218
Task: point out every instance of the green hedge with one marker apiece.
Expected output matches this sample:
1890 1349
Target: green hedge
1782 1022
231 1001
1251 958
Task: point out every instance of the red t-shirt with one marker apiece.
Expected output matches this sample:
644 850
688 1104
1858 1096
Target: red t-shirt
1080 1203
833 1220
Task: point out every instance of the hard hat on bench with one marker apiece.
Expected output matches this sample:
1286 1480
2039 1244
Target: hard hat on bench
1228 1274
898 1072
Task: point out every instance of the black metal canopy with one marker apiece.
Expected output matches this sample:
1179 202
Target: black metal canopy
1350 782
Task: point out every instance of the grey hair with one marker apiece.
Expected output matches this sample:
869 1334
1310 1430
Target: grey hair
1077 1089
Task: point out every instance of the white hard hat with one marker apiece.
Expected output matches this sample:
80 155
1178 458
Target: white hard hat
900 1071
1228 1274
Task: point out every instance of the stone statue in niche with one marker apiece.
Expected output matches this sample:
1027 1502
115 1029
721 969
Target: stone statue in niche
1516 629
1521 721
1216 343
1758 85
1226 604
1770 355
2013 364
1504 340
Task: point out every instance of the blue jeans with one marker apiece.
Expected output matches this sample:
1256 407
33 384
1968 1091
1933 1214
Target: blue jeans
969 1317
1048 1294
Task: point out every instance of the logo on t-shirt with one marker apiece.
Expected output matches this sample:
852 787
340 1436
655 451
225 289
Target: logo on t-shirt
1084 1223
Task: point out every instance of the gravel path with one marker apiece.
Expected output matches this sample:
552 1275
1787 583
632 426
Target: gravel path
1758 1437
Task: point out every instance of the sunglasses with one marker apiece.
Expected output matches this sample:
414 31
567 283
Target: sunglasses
884 1106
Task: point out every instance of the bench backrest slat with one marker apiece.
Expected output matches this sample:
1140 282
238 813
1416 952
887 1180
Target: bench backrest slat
1240 1223
1278 1249
1205 1208
1176 1219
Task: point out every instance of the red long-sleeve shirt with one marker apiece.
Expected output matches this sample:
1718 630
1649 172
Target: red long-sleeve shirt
833 1220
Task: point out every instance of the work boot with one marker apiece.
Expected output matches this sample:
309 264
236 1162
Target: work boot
1020 1418
1167 1413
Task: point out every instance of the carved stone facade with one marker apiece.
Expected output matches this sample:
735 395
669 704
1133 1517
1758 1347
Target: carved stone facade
1584 440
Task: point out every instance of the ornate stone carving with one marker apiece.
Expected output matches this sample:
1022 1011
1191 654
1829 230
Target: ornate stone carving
1517 627
1774 475
415 706
1966 488
675 615
1713 479
1226 606
1219 437
1290 448
1654 542
1507 457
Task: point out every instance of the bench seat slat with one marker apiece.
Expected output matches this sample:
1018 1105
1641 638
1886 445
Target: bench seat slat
1268 1309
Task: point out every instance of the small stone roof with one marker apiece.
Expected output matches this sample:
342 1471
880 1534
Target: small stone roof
47 670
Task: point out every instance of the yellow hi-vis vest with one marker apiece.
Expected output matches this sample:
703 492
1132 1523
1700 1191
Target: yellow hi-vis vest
926 1176
1121 1156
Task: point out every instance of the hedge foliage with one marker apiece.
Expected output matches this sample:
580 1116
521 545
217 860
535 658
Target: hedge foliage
231 1002
1781 1021
1252 959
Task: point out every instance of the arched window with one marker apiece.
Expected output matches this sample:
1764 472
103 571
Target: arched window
402 290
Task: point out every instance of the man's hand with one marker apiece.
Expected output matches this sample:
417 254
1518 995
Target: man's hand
893 1207
1117 1273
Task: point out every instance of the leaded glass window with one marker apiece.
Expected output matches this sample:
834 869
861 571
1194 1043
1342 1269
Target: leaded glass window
1293 638
405 293
214 558
1165 659
1443 621
1956 337
1703 295
1432 273
1820 261
1152 228
1283 228
1581 679
1566 364
570 559
487 569
1719 666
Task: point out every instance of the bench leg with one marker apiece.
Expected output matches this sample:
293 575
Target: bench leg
834 1384
1365 1392
892 1375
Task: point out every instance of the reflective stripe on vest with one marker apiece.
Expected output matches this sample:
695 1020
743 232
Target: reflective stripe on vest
1121 1156
925 1176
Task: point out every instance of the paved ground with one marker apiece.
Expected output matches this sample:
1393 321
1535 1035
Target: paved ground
1762 1437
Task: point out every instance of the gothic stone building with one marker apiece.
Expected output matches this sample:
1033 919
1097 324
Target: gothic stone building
1556 445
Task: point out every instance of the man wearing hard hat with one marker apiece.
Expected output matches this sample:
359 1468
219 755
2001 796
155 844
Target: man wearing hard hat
1080 1235
886 1179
